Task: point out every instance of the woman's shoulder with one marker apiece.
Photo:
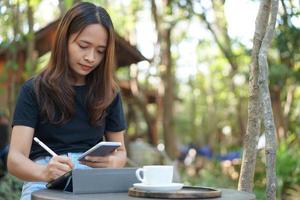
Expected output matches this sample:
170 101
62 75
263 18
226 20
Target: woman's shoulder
28 84
116 95
116 99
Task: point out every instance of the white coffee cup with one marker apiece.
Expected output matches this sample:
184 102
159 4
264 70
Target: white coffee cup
155 174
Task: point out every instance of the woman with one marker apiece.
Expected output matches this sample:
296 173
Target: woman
71 105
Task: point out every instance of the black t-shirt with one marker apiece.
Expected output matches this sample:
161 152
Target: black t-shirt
3 135
76 135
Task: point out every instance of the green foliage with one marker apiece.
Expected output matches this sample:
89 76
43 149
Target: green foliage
123 73
278 74
11 64
288 164
10 188
42 62
287 169
34 3
209 103
68 3
124 15
287 39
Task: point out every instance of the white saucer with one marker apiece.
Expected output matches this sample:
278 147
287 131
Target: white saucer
159 188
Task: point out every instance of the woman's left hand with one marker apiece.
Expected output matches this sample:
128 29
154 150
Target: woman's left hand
114 160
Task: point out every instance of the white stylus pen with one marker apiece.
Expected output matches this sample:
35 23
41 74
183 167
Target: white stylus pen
44 146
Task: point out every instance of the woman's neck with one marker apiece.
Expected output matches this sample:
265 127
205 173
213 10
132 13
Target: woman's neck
77 81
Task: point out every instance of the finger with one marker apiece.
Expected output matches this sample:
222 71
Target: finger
98 159
57 173
63 167
60 164
66 160
94 164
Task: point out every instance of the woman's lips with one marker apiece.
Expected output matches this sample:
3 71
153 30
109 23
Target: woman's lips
85 67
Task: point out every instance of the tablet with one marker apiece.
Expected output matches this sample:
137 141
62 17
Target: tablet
100 149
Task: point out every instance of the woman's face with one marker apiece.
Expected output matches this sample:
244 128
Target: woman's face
86 50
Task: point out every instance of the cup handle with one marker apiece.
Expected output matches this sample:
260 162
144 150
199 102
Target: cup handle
138 174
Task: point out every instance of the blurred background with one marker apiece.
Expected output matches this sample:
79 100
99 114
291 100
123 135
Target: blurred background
183 69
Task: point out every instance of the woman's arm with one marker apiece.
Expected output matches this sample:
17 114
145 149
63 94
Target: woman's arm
116 159
21 166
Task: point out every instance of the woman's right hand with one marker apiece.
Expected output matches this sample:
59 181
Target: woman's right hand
57 166
21 166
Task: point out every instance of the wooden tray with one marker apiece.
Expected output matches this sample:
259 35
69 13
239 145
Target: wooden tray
187 192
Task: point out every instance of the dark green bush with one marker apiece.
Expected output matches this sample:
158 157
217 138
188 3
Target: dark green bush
10 188
288 166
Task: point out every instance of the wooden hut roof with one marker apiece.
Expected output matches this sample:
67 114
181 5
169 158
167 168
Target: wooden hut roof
126 54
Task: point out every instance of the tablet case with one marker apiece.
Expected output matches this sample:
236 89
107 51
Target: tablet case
100 180
61 182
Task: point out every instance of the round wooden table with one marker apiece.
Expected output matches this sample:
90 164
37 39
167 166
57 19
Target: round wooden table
227 194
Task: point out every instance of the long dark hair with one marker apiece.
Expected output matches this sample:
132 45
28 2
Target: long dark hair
54 90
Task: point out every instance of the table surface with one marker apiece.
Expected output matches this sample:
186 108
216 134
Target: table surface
227 194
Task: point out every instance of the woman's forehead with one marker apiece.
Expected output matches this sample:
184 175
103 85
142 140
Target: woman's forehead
94 34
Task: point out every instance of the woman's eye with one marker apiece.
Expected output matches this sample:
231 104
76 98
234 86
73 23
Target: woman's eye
82 46
101 52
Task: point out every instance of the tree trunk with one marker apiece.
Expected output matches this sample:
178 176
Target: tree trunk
31 56
254 105
62 7
11 87
168 98
192 118
164 30
279 118
262 97
140 99
151 122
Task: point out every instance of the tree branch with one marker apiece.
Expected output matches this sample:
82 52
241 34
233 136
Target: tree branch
269 124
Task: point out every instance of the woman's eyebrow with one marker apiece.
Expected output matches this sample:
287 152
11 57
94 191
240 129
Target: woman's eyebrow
87 42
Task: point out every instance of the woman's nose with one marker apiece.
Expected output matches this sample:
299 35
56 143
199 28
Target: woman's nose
90 56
